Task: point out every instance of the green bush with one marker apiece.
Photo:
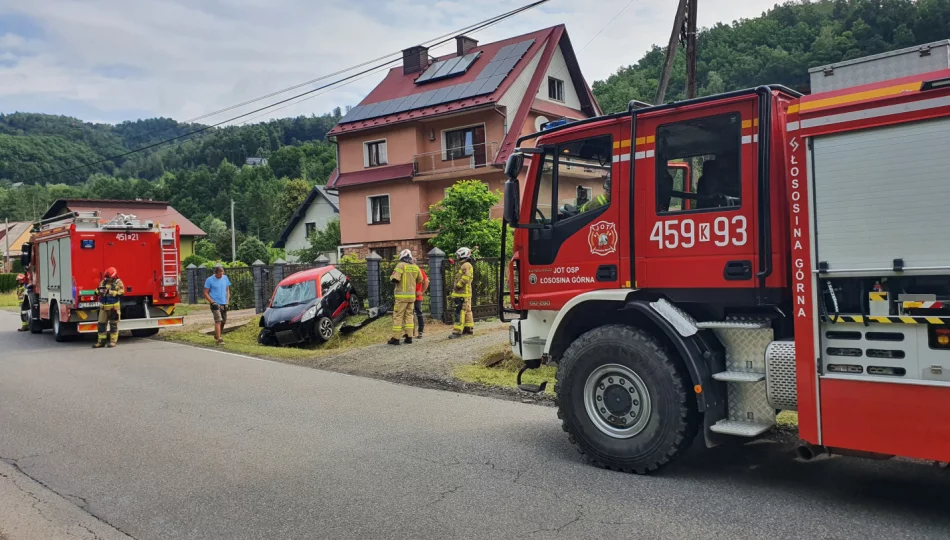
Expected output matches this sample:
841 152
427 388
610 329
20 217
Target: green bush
196 260
7 283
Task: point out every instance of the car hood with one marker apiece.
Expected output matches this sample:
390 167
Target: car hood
283 315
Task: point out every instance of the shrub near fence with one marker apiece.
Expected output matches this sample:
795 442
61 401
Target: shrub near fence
242 287
7 283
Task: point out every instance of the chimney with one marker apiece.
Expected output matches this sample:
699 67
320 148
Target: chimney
465 44
415 59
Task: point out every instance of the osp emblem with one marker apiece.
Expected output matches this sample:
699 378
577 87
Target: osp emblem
602 238
532 278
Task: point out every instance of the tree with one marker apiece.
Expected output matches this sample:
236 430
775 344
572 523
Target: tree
462 218
294 193
251 250
322 241
207 250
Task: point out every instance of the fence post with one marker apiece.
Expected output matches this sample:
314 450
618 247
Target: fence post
192 271
372 278
321 261
279 271
436 284
202 273
257 270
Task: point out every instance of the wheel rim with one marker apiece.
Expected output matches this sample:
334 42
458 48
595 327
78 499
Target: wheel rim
617 401
354 304
326 328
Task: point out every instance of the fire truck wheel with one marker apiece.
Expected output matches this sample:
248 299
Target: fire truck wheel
623 400
144 332
36 324
61 331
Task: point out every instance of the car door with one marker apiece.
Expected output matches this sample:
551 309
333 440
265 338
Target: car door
696 202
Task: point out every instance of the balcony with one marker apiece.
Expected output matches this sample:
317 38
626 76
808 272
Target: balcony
495 212
452 160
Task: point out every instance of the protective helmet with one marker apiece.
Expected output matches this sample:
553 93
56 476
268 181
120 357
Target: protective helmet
21 279
405 255
464 253
110 272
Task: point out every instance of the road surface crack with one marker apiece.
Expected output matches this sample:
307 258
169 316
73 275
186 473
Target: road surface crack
442 496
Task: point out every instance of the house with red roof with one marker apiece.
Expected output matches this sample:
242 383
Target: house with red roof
434 121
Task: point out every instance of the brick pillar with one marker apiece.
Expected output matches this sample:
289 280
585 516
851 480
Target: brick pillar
436 283
279 271
259 271
192 292
373 278
321 261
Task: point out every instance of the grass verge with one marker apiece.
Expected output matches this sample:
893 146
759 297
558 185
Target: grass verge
498 366
244 340
8 301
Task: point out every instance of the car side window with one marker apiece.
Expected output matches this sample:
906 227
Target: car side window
337 275
327 282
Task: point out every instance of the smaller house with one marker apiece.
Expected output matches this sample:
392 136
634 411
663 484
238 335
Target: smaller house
15 234
255 161
157 211
313 215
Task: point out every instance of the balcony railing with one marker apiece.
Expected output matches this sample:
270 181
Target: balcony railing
455 159
496 212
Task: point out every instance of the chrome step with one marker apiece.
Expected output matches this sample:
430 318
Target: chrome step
740 429
534 341
734 325
739 376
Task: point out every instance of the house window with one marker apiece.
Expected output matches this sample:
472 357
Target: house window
555 89
388 253
465 142
374 154
377 209
311 228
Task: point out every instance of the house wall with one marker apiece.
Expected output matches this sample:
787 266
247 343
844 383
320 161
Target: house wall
320 212
401 144
404 204
558 70
494 132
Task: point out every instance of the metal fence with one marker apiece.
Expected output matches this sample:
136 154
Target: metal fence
242 288
484 288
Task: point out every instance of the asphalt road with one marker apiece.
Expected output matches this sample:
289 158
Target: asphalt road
165 441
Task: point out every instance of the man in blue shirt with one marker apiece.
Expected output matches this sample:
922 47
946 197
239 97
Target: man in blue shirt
218 294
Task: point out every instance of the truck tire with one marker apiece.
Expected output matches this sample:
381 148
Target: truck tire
36 324
623 400
61 331
144 332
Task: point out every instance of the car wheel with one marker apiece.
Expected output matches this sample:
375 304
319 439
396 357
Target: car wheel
355 304
324 329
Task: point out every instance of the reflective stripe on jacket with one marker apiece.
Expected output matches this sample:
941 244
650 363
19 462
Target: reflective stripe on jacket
463 281
114 289
406 276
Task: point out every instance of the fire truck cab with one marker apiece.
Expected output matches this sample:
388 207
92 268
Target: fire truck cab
757 251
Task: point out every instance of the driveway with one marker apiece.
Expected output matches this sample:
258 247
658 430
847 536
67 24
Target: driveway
165 441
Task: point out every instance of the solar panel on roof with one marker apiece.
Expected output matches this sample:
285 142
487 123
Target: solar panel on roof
464 63
456 92
446 67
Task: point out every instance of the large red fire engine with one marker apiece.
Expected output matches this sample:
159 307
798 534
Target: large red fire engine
66 257
802 267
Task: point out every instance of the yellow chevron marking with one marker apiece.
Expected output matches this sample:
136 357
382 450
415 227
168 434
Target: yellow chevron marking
877 296
909 320
934 320
883 320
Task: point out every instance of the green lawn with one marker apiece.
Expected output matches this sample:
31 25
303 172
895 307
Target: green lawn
504 373
244 340
8 301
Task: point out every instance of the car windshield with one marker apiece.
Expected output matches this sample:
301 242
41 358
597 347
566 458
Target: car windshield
295 294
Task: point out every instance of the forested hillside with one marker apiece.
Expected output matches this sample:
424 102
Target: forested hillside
780 46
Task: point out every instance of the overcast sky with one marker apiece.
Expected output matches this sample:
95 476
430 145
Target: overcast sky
115 60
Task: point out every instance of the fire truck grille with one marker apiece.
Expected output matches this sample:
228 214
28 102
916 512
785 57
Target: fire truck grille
781 388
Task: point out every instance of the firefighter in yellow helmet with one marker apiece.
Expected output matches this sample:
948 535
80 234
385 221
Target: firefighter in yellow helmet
20 295
405 277
111 289
462 295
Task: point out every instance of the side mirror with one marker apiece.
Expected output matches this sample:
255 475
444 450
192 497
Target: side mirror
512 204
514 164
26 252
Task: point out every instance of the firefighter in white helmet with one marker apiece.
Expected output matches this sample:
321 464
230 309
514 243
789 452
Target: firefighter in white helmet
462 295
405 277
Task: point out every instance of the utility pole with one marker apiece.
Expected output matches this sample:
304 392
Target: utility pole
233 235
671 52
684 31
691 50
6 237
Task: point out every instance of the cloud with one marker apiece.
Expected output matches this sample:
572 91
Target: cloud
102 59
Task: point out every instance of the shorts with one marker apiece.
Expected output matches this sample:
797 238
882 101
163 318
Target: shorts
220 313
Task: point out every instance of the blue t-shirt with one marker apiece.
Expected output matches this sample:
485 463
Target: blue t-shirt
218 288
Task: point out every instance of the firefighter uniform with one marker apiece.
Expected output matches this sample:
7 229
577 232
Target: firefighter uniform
462 296
405 277
600 200
20 294
109 311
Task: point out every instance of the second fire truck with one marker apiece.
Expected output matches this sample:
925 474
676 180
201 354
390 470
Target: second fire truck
803 266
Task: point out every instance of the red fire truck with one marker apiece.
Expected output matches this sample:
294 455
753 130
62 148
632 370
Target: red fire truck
67 255
803 267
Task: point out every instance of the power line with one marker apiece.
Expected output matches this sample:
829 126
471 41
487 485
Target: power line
611 21
470 28
480 25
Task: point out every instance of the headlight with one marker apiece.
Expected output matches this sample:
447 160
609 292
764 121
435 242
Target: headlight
309 314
